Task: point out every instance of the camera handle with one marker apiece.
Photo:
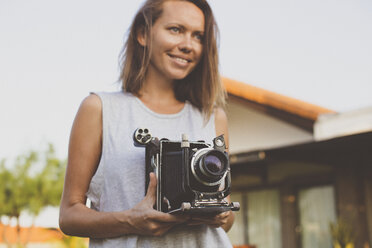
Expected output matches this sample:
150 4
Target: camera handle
143 138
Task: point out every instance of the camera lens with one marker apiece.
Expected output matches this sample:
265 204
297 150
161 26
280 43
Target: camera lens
209 166
213 163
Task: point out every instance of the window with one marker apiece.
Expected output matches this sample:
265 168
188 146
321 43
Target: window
317 211
258 221
264 227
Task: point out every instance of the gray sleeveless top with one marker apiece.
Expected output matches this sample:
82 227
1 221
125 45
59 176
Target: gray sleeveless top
119 182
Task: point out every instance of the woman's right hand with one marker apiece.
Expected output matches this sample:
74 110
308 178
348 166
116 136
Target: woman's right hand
145 220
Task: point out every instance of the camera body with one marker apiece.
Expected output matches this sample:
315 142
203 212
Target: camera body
192 177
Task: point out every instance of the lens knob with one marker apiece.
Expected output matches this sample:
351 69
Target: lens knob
142 136
219 142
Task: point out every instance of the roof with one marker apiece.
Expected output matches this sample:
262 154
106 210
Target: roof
325 152
290 109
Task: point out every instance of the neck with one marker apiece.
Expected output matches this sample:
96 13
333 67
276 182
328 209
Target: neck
157 90
158 94
157 86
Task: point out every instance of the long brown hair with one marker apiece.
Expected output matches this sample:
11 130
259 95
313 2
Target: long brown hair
202 87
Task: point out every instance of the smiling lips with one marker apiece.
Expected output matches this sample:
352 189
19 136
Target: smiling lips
180 60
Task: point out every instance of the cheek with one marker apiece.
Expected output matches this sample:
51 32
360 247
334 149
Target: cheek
199 52
165 41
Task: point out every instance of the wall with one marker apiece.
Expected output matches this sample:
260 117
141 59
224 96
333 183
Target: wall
250 129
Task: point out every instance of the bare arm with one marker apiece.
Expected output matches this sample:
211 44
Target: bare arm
84 155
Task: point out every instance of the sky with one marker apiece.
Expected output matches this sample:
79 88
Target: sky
53 53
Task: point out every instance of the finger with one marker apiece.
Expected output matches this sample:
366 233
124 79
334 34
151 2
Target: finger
227 213
151 190
212 222
215 226
163 228
209 223
168 218
206 219
195 223
199 221
223 214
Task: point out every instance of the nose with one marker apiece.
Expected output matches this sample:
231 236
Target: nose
185 45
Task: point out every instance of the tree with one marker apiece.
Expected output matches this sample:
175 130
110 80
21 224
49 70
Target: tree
24 188
16 188
48 183
5 194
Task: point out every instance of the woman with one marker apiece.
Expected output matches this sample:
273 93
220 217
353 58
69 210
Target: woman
171 86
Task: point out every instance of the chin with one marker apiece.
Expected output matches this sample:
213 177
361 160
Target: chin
180 75
180 78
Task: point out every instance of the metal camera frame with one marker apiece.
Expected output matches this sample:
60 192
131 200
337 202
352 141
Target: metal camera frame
205 202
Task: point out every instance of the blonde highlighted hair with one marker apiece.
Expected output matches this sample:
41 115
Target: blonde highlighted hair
202 87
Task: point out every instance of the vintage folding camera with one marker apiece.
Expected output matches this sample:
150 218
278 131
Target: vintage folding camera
192 177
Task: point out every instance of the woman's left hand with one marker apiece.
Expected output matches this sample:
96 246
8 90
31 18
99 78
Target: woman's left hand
219 220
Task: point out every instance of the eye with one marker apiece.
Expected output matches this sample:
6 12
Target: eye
199 37
175 29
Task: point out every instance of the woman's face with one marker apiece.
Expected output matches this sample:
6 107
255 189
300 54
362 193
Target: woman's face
177 40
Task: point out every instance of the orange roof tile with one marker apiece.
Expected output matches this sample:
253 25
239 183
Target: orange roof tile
274 100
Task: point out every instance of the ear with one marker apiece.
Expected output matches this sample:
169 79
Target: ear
141 36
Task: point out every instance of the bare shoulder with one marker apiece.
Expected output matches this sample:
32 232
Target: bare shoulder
220 114
91 103
88 120
220 120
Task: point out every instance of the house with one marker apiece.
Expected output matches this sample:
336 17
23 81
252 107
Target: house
297 170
